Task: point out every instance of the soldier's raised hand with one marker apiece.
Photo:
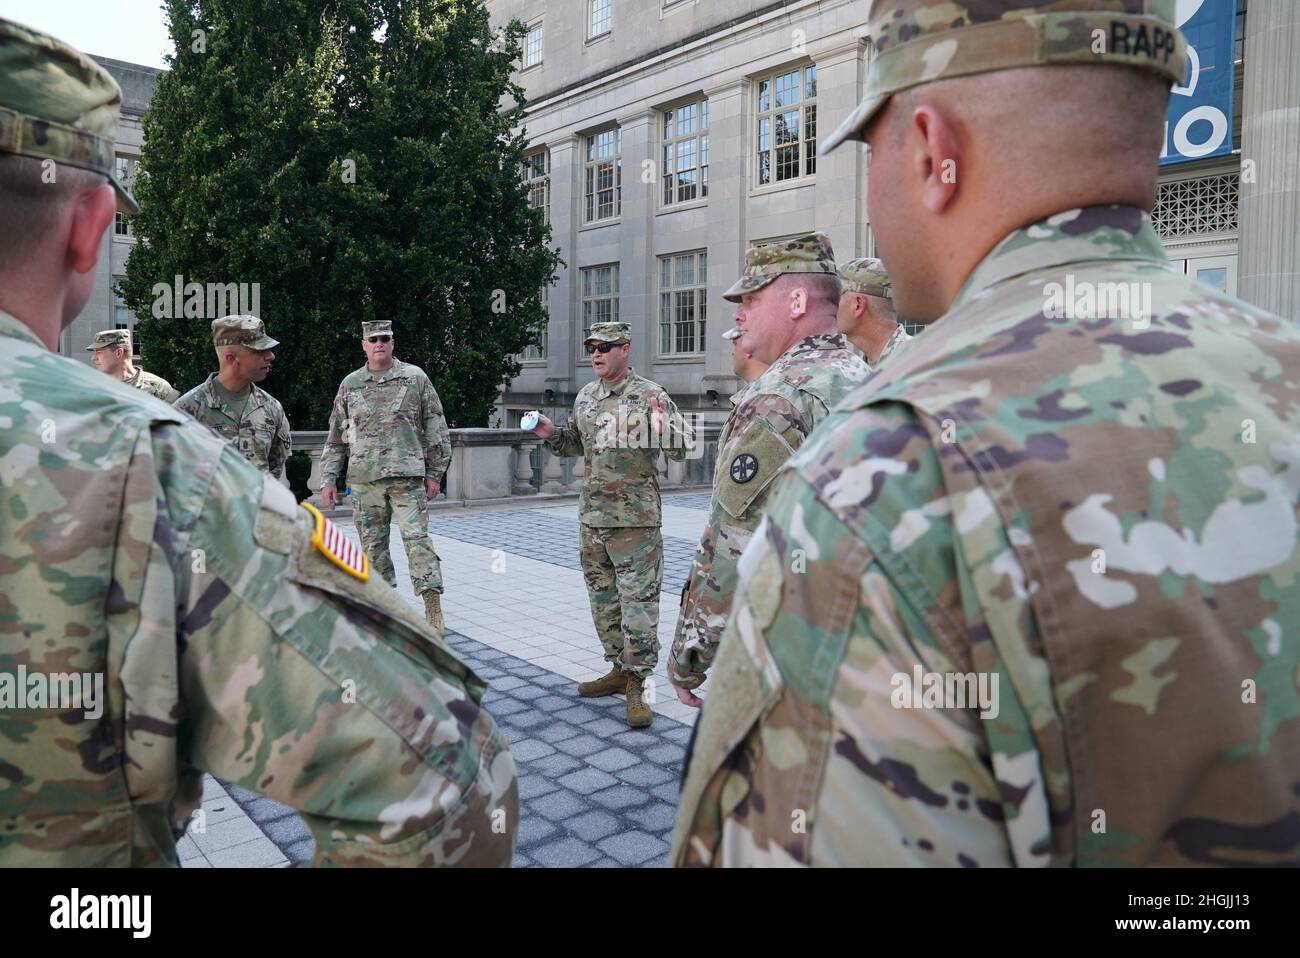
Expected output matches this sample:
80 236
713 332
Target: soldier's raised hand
658 414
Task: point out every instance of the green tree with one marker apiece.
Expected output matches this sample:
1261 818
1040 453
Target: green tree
356 160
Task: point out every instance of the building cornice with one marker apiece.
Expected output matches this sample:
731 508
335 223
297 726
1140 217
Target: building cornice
729 28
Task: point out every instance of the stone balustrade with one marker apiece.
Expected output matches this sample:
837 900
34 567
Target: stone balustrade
500 464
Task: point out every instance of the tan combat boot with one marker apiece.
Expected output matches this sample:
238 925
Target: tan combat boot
610 684
433 612
638 713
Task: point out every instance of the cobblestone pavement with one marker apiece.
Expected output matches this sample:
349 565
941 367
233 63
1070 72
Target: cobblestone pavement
550 535
593 792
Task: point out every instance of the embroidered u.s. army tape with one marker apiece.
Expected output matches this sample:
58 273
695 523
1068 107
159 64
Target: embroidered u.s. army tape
330 541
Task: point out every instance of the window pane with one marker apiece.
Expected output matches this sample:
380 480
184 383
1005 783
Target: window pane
764 167
764 88
686 186
685 271
600 16
764 133
787 89
533 47
787 162
685 154
809 82
686 120
704 268
704 114
668 124
787 127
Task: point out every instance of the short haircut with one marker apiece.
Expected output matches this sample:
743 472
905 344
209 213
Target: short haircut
822 287
32 205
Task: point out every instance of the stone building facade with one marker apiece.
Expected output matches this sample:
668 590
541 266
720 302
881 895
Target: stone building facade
104 309
733 93
609 82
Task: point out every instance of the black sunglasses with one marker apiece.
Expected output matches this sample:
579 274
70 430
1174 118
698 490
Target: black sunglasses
602 347
380 339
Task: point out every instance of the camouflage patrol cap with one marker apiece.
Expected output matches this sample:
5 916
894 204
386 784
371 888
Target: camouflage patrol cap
803 254
609 333
378 327
57 104
111 339
241 331
921 41
866 275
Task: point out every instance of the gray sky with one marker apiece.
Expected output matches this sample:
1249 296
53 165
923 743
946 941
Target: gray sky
131 30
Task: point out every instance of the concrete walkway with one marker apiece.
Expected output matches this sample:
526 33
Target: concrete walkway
593 792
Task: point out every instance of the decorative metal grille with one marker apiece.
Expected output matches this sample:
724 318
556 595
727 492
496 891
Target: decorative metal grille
1207 204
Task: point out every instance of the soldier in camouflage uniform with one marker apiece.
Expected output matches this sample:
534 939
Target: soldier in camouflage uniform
230 402
1088 510
139 550
620 424
387 430
788 296
111 352
866 314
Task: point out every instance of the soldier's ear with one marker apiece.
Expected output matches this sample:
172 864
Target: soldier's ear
798 302
90 214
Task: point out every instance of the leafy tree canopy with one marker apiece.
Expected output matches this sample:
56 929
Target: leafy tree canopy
355 159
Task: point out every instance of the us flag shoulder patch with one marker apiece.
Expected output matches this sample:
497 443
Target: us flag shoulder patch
330 541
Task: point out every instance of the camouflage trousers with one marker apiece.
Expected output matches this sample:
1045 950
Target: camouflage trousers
375 506
624 570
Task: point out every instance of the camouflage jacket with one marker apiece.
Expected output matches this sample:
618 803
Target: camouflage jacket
153 385
386 424
896 339
773 416
262 433
1086 523
611 430
141 551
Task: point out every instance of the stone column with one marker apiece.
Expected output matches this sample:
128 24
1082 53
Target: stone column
552 471
636 257
1268 265
841 191
566 195
523 484
676 472
730 145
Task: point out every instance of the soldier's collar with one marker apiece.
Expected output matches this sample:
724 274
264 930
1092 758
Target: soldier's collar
1088 234
214 395
379 375
603 389
12 326
813 344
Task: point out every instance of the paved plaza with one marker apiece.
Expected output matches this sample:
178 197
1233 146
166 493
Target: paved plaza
593 792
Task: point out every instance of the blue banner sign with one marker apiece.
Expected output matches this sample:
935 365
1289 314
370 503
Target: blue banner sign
1199 121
